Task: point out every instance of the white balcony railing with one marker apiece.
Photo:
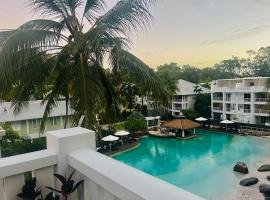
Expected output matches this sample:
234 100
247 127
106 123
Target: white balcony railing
262 111
218 108
104 178
247 111
247 99
218 98
261 99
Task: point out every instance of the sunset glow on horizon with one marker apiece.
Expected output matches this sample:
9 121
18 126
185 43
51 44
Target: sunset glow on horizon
196 32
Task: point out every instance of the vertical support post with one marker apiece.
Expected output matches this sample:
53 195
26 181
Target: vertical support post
183 133
65 141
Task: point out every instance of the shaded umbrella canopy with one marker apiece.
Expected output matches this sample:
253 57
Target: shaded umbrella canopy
182 124
201 119
122 133
110 138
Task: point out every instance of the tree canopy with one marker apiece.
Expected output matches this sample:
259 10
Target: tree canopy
60 56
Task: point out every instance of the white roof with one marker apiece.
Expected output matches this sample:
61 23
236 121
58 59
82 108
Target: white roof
187 88
244 78
34 110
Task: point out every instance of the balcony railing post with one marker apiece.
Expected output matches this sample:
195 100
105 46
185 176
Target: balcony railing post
65 141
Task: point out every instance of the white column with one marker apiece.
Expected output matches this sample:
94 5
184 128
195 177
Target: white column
61 121
183 133
27 127
252 108
65 141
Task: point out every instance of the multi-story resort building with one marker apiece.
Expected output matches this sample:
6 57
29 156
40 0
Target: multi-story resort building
243 100
27 122
185 96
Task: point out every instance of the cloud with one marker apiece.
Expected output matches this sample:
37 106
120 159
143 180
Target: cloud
238 34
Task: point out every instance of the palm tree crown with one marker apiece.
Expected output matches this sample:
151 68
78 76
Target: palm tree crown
60 57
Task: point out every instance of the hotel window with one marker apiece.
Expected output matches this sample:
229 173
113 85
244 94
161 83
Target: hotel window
251 84
54 121
240 106
16 126
34 123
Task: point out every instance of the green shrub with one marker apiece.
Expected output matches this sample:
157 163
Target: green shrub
22 146
11 135
190 114
134 125
118 127
136 115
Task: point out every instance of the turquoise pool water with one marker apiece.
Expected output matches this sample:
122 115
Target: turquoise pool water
203 165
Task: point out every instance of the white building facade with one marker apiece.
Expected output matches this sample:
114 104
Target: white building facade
185 96
27 122
243 100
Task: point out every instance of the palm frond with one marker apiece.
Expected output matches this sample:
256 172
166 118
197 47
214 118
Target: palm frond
92 9
43 24
51 8
127 15
138 72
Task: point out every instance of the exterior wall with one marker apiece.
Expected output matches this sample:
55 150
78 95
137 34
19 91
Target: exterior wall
182 102
240 100
31 127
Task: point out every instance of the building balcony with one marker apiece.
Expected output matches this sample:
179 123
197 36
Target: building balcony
218 98
247 99
75 148
262 100
218 108
262 111
247 111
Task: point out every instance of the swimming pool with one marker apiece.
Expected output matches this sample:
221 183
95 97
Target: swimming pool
203 166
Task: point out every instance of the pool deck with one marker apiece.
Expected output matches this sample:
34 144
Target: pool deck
123 148
158 134
252 192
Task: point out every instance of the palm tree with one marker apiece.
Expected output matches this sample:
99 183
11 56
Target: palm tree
65 52
197 89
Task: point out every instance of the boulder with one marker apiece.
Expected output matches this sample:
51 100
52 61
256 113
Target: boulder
264 168
265 189
249 181
241 168
268 178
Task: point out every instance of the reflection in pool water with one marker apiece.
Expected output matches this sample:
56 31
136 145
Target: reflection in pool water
202 165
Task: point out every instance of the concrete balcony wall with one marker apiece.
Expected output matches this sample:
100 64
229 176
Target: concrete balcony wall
104 178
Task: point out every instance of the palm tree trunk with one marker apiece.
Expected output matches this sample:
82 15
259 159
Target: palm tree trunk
86 114
66 118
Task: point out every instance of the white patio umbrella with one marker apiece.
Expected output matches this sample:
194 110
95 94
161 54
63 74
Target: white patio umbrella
110 138
201 119
226 122
122 133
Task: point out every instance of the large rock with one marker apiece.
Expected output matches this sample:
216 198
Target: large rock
241 168
249 181
265 189
264 168
268 178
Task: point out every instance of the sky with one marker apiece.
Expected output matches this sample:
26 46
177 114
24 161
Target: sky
196 32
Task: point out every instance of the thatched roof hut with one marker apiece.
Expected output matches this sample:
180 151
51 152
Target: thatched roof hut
181 123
